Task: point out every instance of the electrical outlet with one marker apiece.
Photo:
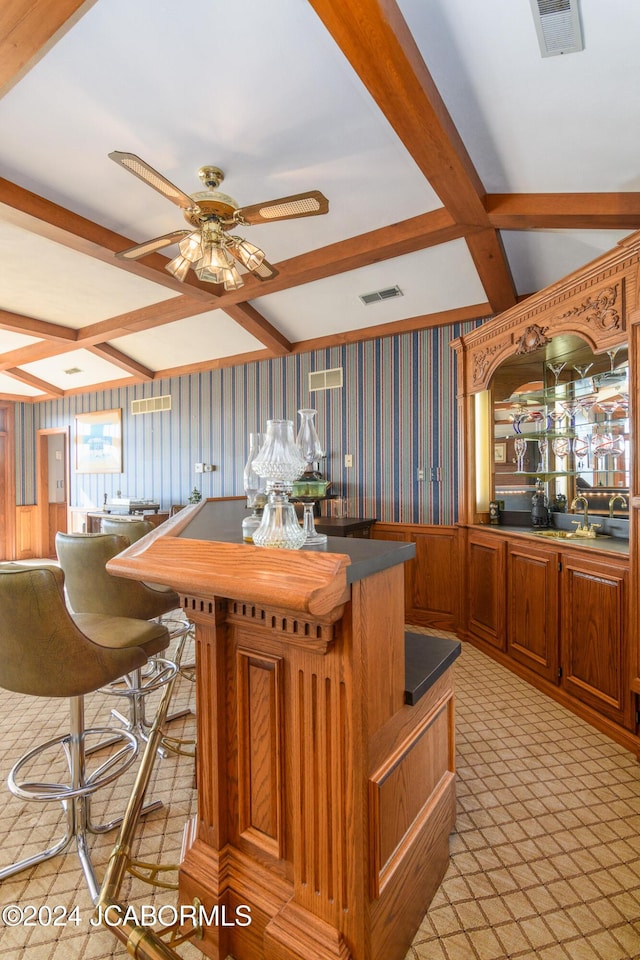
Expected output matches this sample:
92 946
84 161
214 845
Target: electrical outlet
420 473
348 459
435 475
199 467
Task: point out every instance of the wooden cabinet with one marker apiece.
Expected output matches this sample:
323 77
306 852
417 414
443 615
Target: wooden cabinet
432 578
485 588
564 615
532 608
594 646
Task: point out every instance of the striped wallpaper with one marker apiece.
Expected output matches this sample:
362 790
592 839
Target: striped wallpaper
395 414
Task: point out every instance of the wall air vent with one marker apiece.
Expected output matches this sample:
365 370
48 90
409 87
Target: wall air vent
558 26
151 405
325 379
379 295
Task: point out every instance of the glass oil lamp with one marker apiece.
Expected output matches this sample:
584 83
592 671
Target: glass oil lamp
310 488
280 463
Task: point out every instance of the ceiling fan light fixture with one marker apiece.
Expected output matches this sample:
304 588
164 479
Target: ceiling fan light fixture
247 253
232 279
191 247
179 267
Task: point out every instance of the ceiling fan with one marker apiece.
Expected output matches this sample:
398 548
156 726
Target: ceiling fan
207 246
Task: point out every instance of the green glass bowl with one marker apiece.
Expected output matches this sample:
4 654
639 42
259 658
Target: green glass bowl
310 488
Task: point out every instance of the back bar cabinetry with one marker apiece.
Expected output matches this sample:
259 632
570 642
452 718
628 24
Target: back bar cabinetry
565 617
558 618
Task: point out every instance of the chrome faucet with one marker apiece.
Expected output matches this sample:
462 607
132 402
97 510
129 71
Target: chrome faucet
616 496
585 502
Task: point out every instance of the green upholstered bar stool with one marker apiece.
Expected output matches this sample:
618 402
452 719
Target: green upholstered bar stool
47 652
133 528
91 589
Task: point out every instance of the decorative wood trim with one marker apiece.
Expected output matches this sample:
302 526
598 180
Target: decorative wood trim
316 635
26 527
260 750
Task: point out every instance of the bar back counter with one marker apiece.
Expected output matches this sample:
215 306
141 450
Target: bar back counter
325 802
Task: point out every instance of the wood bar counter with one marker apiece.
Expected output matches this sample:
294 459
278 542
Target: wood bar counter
324 802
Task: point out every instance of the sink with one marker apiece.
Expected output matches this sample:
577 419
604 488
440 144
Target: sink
568 535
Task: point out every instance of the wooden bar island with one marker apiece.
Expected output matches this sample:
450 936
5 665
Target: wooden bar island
325 802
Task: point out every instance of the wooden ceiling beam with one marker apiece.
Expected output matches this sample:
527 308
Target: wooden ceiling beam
564 211
119 359
254 323
493 269
17 323
374 37
23 377
28 29
397 240
49 220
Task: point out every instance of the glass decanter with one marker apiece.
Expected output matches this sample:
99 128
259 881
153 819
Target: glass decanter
280 462
311 450
254 488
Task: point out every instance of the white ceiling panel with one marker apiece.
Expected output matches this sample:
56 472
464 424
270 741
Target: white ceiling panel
533 123
541 257
431 280
92 370
13 341
11 387
209 336
42 279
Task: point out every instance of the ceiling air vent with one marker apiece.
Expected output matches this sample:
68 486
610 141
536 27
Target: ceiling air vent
558 26
378 295
151 405
325 379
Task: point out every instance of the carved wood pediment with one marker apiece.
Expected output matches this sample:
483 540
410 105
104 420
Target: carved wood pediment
599 309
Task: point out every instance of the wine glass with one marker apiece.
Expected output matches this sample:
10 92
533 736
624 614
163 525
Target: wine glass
580 450
556 417
543 447
556 369
560 447
571 407
582 369
520 447
612 356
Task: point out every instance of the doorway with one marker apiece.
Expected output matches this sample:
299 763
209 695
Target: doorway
52 470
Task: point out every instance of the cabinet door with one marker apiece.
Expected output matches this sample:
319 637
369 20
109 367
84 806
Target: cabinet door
486 588
593 642
532 636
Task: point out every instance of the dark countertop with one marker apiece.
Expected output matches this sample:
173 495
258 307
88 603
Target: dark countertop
426 659
222 521
600 545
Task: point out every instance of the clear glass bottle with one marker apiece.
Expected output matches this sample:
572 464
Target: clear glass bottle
280 463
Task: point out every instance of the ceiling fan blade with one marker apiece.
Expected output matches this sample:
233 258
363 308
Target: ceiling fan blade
150 246
309 204
265 271
143 171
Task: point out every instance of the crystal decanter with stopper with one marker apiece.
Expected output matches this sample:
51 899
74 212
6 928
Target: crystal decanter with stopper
280 463
254 488
310 488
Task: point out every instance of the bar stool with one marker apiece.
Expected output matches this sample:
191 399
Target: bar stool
131 528
47 652
91 589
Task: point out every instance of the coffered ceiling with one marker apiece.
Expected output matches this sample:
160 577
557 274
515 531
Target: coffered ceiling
459 165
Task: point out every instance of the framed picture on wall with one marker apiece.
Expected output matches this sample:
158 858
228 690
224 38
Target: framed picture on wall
500 452
98 442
